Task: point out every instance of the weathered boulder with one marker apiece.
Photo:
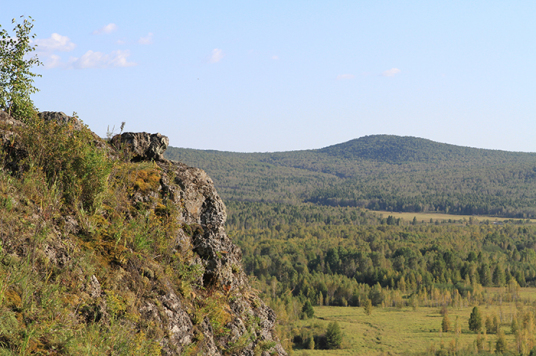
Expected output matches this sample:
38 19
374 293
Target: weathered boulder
61 118
142 145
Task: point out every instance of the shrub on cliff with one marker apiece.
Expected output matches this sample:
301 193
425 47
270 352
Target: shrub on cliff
69 156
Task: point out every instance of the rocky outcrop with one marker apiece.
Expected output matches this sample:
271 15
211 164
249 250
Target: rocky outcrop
203 216
195 301
142 146
61 118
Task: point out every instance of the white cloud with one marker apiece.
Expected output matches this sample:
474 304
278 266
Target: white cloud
111 27
345 76
217 55
53 61
91 59
147 40
56 42
391 72
101 60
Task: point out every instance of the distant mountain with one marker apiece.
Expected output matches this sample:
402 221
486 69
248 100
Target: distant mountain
379 172
397 149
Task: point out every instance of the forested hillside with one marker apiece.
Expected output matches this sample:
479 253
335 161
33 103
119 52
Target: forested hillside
307 239
380 173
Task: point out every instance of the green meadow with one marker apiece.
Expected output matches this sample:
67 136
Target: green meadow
440 217
409 331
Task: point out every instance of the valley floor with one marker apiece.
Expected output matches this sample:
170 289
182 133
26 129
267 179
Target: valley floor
440 217
404 331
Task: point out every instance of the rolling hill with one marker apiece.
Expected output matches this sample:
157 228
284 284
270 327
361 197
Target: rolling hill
379 172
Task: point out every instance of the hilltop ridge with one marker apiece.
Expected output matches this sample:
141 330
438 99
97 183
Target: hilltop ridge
404 149
379 172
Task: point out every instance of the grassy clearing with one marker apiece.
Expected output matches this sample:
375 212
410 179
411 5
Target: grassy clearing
425 217
404 331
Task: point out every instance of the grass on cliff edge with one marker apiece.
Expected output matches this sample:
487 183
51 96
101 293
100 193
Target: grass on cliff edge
69 214
404 331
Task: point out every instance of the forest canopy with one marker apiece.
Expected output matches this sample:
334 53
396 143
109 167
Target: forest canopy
381 172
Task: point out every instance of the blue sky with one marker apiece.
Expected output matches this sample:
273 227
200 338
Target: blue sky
287 75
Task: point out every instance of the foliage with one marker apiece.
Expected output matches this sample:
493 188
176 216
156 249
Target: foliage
16 78
76 215
367 306
308 310
379 173
501 345
475 320
445 323
333 336
70 160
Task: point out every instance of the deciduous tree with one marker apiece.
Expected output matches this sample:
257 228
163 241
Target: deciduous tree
16 78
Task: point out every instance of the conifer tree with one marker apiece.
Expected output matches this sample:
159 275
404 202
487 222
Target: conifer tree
500 345
333 336
307 309
445 324
475 320
367 306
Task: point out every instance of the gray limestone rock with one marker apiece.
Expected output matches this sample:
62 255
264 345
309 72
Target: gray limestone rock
220 258
142 145
61 118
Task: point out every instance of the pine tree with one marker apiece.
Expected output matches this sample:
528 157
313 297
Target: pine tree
489 325
333 336
500 345
445 324
308 310
475 320
367 306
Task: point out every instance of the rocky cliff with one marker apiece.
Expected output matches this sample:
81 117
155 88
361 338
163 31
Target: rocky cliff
108 248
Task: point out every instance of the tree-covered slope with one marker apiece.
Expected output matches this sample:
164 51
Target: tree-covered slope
399 150
379 172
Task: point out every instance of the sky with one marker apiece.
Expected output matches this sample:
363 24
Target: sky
266 76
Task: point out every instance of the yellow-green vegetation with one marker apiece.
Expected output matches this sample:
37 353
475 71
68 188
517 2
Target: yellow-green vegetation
409 331
379 172
87 240
443 218
16 77
68 182
350 257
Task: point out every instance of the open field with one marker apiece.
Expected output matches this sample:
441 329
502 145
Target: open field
404 331
440 217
